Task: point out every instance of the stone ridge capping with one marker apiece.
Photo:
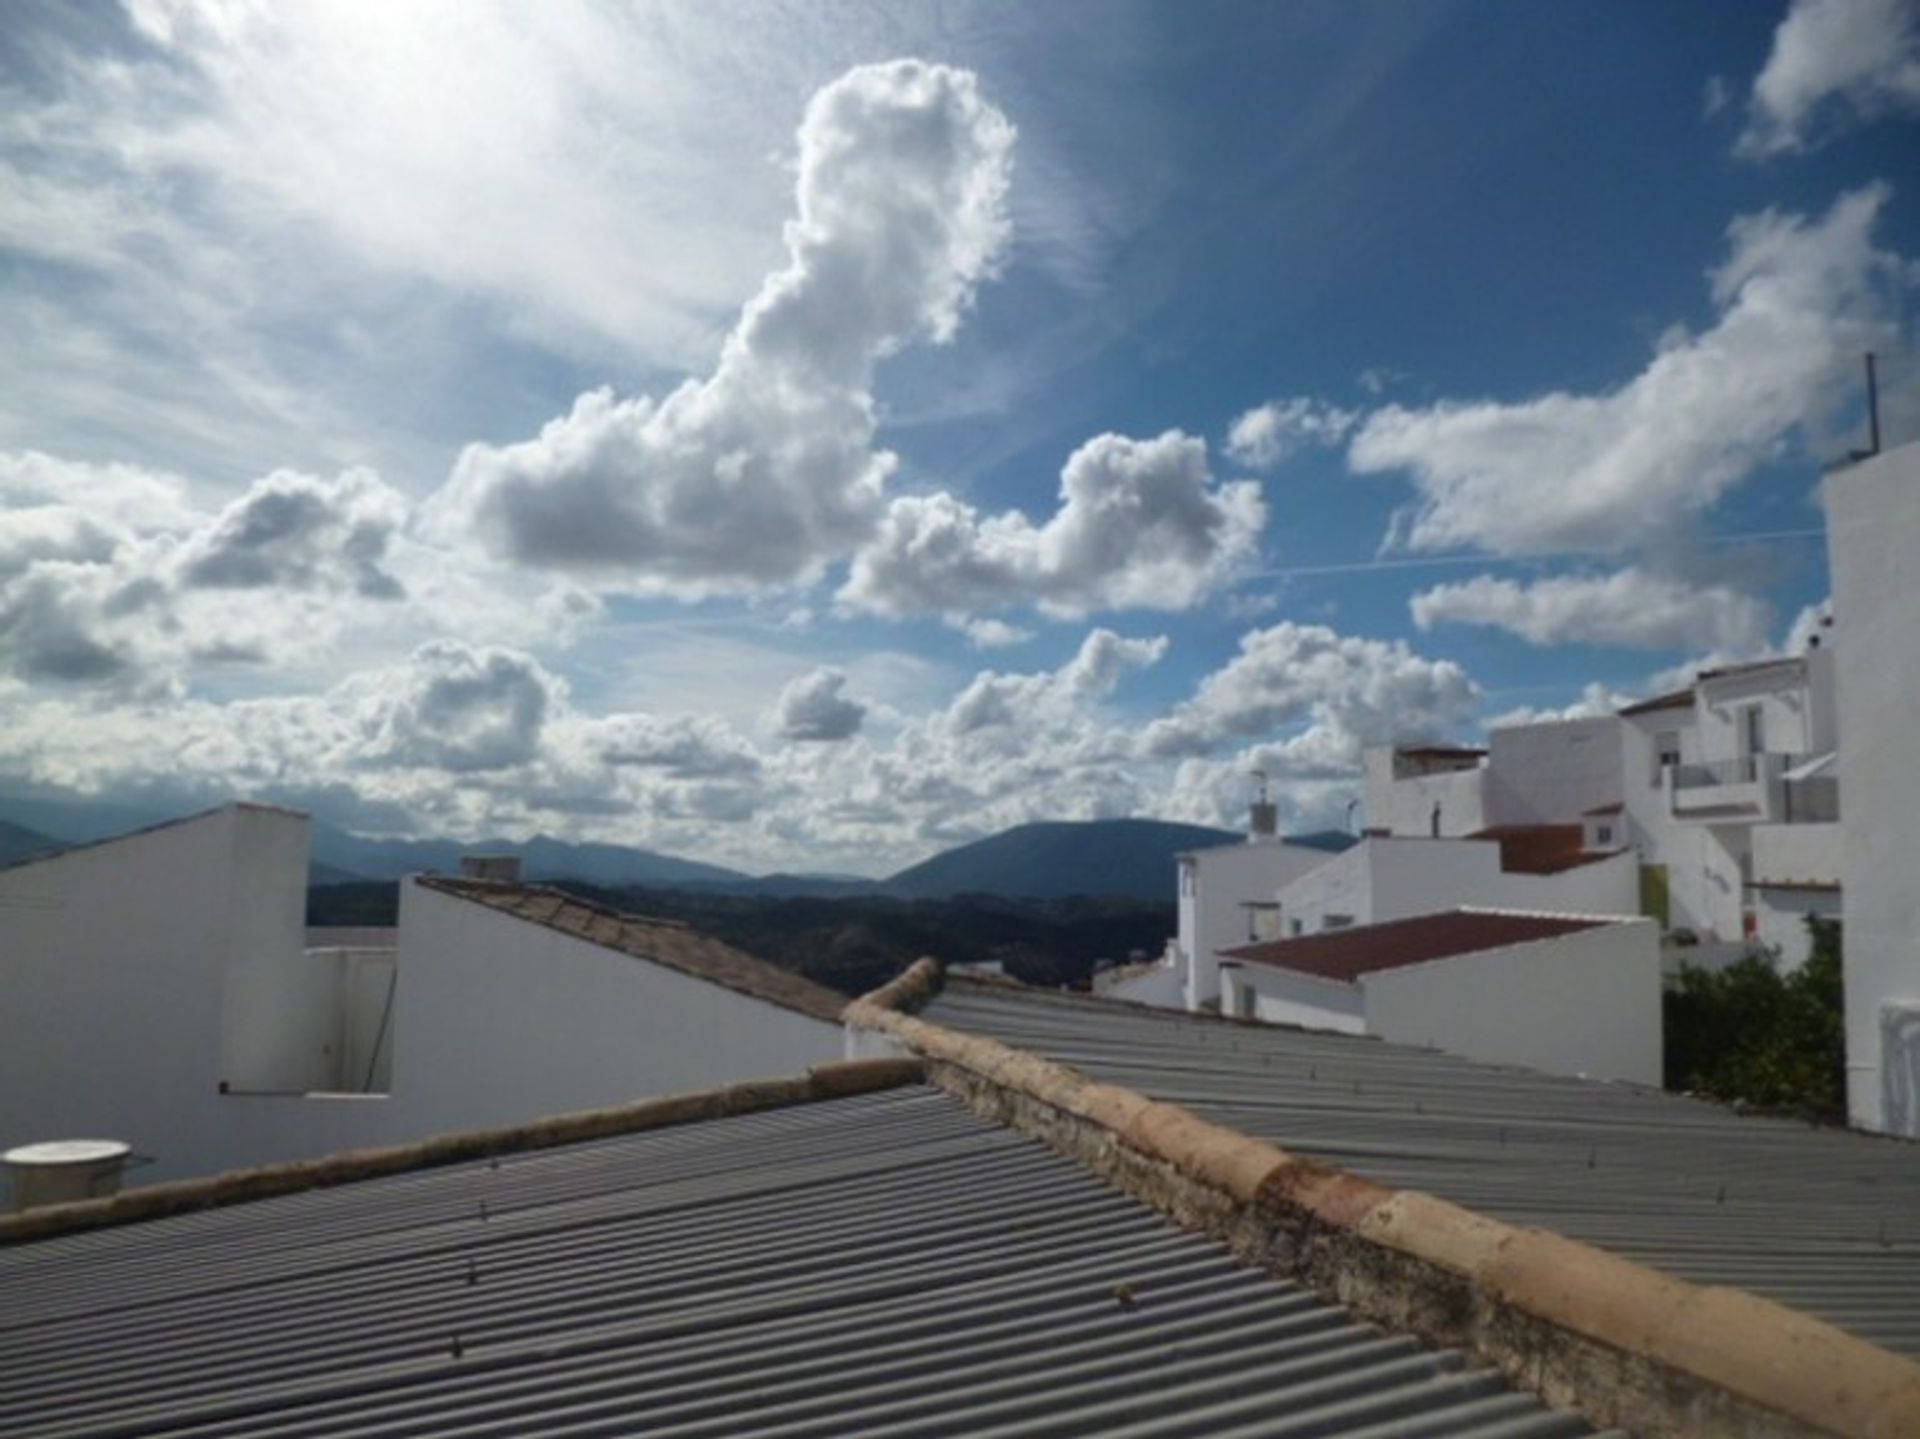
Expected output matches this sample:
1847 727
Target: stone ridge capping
1625 1344
836 1080
908 991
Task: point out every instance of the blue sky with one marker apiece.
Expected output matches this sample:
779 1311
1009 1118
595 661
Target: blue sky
806 436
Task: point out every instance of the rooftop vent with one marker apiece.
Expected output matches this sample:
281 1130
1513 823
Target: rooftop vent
1264 820
63 1170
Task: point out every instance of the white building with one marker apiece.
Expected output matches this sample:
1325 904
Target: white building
1524 867
1726 792
158 991
1873 535
1565 994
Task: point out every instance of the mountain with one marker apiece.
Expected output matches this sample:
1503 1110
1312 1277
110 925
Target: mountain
17 842
540 858
1124 858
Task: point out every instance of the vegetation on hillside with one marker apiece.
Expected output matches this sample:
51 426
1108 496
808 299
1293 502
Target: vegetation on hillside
853 944
1753 1034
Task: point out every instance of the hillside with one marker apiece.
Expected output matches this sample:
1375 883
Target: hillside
1124 858
540 857
17 842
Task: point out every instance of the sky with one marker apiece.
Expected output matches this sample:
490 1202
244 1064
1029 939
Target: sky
808 436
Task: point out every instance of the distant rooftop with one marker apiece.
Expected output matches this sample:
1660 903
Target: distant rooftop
666 942
1541 848
1347 954
1672 700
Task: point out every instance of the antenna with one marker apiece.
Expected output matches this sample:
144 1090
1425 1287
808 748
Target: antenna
1261 775
1873 407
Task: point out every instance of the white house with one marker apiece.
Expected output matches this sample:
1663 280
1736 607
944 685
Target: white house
1527 867
1725 791
1565 994
1731 798
159 992
1873 535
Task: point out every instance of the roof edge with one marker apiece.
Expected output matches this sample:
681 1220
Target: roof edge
1622 1342
834 1080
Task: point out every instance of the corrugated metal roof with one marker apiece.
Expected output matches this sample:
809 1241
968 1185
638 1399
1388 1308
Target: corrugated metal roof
1346 954
1824 1220
663 941
884 1265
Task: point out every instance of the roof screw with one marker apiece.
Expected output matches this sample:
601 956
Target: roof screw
483 1209
1503 1135
1313 1071
457 1347
1721 1197
1593 1158
473 1272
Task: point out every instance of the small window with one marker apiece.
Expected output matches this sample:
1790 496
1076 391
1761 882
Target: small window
1336 921
1603 834
1666 751
1243 1000
1296 926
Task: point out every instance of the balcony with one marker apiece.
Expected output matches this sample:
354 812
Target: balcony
1748 789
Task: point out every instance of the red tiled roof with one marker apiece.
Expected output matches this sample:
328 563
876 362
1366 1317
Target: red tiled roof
1346 954
1540 848
665 942
1613 808
1752 667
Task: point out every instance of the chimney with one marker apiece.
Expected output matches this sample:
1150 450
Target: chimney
498 868
1264 820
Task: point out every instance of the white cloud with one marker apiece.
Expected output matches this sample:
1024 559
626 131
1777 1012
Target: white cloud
1141 524
1860 57
764 472
986 634
1271 434
109 575
455 707
1633 608
1798 301
815 706
1337 692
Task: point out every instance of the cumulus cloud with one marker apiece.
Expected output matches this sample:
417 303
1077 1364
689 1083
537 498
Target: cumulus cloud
1271 434
1798 301
815 706
764 472
1833 62
1141 524
1339 692
294 531
110 575
1632 608
458 708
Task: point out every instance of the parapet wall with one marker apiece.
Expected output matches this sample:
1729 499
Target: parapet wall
1623 1343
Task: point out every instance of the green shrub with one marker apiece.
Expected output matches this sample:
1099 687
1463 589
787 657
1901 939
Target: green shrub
1751 1033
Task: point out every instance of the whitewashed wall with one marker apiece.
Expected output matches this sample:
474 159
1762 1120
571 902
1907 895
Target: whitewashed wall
126 967
1384 878
1585 1003
1781 916
1215 887
1873 535
1279 996
498 1020
1405 806
1552 772
1162 985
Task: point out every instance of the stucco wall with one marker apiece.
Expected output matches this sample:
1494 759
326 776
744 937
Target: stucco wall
1781 919
1552 772
498 1020
1384 878
1405 806
1160 986
1585 1003
1280 997
1873 534
123 965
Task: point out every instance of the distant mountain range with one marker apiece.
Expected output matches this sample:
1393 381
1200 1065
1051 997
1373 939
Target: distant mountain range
1119 858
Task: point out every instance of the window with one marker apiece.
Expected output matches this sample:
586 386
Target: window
1243 1002
1603 834
1335 921
1296 926
1666 752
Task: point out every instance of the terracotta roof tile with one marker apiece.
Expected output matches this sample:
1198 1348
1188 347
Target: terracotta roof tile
661 941
1540 848
1346 954
1673 699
